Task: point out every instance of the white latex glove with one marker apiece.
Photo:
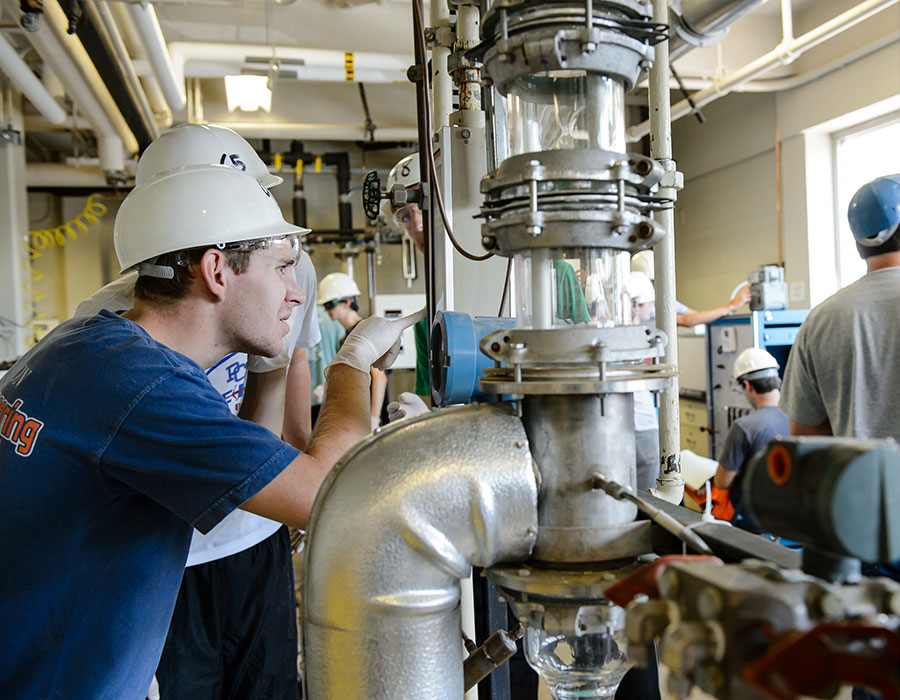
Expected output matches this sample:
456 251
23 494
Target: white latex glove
406 405
376 422
375 342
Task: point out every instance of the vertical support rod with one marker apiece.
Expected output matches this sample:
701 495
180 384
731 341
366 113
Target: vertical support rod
13 225
427 204
670 482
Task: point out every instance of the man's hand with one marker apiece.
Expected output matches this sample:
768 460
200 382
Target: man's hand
375 342
406 405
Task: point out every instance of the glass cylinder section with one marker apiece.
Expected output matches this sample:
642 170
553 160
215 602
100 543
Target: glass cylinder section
584 660
565 110
572 286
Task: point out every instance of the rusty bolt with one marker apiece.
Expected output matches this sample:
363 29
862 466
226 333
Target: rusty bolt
643 167
644 230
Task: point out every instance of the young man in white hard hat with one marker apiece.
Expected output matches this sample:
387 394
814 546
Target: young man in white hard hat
844 369
684 315
115 443
244 563
339 296
756 375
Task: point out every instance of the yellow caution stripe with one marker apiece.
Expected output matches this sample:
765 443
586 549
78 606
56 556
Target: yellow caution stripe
348 65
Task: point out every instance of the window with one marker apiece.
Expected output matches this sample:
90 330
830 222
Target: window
862 153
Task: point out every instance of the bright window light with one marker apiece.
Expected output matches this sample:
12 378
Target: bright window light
869 152
248 93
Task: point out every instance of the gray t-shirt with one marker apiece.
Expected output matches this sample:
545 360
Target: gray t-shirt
749 433
845 364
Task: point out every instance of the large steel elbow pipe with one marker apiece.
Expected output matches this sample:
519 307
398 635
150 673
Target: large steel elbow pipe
399 521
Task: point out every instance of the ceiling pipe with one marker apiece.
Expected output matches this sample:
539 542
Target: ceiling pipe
98 44
318 132
704 22
213 60
61 176
796 81
389 540
782 54
102 11
64 59
147 24
135 47
28 84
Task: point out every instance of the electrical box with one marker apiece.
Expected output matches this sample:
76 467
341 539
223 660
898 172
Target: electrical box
396 306
774 331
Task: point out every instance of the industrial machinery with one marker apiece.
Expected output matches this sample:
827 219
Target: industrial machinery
773 331
538 487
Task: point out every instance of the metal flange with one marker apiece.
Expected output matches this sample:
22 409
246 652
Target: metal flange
579 165
556 382
574 345
591 228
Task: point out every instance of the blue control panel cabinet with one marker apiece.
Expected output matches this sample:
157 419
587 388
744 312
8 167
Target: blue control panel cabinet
773 331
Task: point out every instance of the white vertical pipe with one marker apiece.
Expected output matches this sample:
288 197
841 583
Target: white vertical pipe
147 24
13 224
441 85
670 483
28 84
787 21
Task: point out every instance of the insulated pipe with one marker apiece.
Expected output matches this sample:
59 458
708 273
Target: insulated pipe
703 22
136 48
389 539
670 484
212 60
103 12
781 54
58 57
28 84
172 84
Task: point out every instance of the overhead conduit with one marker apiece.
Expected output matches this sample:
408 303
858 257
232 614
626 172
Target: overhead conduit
782 54
211 60
389 539
147 25
28 84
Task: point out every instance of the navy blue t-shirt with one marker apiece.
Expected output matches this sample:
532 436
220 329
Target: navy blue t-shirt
112 446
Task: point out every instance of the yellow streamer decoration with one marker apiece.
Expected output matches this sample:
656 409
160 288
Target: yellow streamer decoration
43 239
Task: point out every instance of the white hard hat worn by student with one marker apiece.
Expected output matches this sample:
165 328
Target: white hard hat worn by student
406 174
643 262
192 207
640 288
336 286
754 363
194 144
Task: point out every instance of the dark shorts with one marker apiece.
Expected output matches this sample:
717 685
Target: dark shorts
233 634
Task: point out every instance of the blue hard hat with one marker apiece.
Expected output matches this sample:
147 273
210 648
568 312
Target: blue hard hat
875 210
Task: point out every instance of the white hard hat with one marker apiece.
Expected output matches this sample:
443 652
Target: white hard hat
754 363
202 144
643 262
193 207
405 173
640 288
336 286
